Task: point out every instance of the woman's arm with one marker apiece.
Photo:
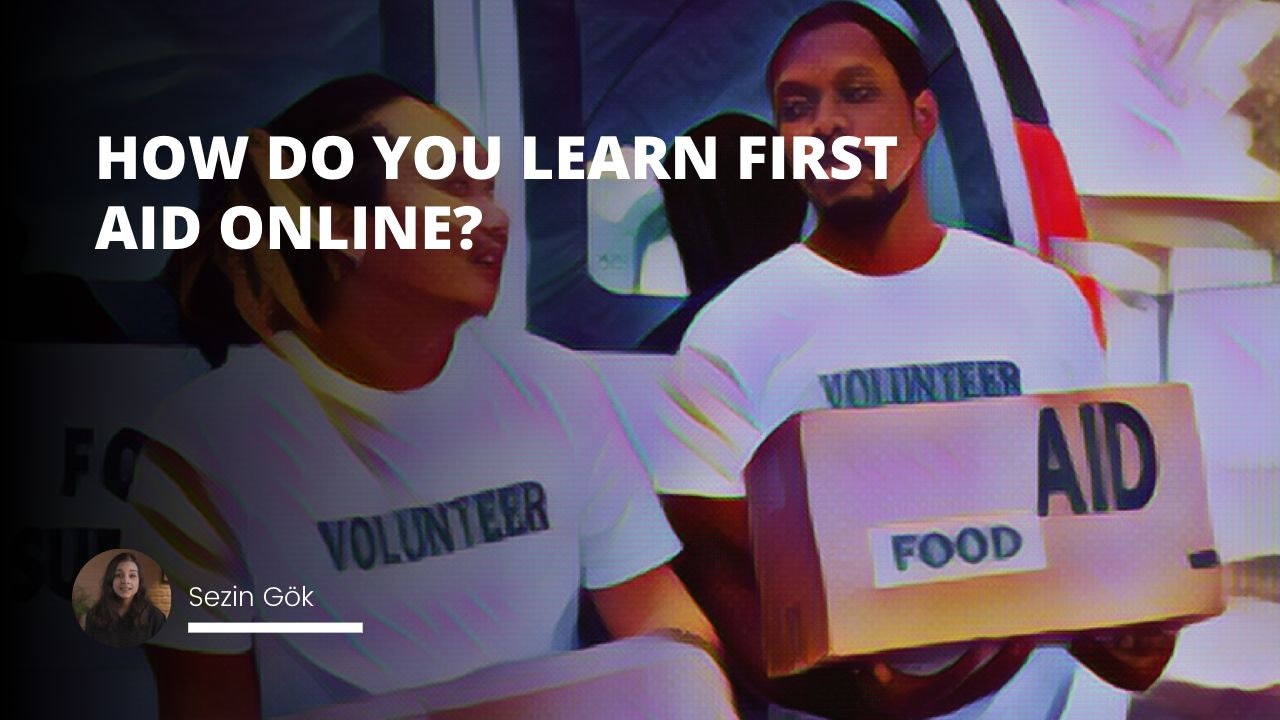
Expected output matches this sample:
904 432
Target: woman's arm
654 602
192 685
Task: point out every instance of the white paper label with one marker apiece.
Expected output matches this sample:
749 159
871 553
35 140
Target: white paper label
956 549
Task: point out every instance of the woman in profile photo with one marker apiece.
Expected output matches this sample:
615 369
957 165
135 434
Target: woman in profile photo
123 616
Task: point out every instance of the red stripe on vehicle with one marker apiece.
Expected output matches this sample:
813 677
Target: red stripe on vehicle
1053 194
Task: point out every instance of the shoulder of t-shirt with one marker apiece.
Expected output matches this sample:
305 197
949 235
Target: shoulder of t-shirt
754 301
1014 269
251 381
534 363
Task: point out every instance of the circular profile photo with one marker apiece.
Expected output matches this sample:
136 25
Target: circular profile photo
121 598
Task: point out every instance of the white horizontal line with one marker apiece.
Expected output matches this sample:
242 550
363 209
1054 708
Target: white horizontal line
275 627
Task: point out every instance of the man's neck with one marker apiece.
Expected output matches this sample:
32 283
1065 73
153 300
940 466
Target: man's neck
383 341
903 243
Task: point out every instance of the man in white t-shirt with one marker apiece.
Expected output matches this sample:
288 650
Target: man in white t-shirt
879 306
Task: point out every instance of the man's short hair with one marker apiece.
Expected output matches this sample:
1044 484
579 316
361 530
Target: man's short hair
902 53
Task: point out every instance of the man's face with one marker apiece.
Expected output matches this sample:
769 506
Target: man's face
836 81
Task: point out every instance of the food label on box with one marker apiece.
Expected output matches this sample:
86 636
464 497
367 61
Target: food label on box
956 549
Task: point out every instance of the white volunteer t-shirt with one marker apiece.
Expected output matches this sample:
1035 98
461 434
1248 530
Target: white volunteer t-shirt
980 319
457 521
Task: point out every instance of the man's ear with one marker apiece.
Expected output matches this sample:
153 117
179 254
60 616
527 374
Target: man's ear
924 114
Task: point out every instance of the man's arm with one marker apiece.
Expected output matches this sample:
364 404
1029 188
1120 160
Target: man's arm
1130 658
717 568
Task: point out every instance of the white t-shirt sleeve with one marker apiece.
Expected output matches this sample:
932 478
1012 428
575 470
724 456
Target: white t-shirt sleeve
710 427
1080 350
173 520
624 532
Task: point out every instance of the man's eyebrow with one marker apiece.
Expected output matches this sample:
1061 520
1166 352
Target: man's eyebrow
855 72
793 87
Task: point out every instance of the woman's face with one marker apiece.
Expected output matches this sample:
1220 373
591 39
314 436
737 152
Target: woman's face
125 582
466 279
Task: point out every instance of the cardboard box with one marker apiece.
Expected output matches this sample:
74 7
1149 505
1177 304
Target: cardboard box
910 526
641 677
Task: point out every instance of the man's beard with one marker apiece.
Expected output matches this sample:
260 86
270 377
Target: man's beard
860 216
